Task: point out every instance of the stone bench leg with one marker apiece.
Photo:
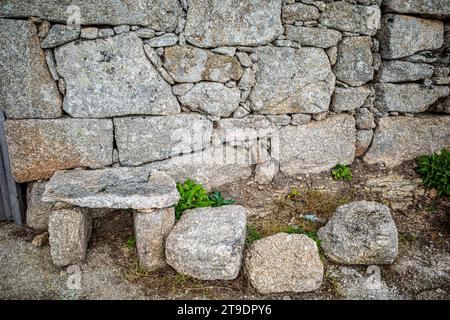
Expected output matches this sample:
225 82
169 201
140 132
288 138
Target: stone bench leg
151 228
69 231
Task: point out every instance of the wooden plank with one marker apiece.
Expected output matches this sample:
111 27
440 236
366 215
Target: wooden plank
13 188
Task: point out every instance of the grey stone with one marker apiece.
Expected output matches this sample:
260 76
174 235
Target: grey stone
105 32
60 34
244 59
233 23
439 9
51 64
363 140
317 146
122 29
248 79
208 243
166 40
441 72
332 55
441 80
354 61
182 88
240 112
69 232
399 139
27 89
153 56
144 139
112 77
403 71
315 37
117 188
228 51
279 119
38 148
284 263
410 97
151 230
89 33
343 16
286 43
38 211
299 11
346 99
402 36
299 119
40 240
364 119
189 64
292 81
361 232
212 98
266 171
145 33
159 14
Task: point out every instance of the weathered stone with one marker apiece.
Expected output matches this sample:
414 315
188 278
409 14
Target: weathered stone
69 232
403 71
159 14
434 8
112 77
189 64
279 119
38 148
105 32
166 40
284 263
299 119
299 12
266 171
363 140
38 211
145 33
27 89
402 36
60 34
411 97
317 146
182 88
228 51
207 243
361 232
354 61
248 79
292 81
233 23
441 80
117 188
151 230
122 29
51 64
89 33
343 16
244 59
144 139
153 56
364 119
315 37
40 240
346 99
212 98
399 139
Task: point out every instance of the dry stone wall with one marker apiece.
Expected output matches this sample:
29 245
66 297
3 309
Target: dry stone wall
222 90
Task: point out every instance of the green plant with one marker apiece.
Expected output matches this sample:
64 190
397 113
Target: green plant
252 234
192 195
218 200
342 172
131 242
435 171
299 230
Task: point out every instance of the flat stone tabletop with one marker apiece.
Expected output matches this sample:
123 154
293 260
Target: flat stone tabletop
117 188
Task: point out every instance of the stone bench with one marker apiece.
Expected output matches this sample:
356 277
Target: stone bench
151 194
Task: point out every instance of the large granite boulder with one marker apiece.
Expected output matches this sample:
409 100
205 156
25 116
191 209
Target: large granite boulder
208 243
27 89
361 232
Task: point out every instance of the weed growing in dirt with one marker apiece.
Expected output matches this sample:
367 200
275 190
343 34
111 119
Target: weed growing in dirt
252 235
218 200
341 172
435 171
131 242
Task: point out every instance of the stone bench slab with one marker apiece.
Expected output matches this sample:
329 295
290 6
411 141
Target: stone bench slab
117 188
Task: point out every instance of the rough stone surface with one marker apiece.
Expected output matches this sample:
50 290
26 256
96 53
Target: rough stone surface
69 232
266 171
363 140
189 64
284 263
151 230
411 97
435 8
299 12
354 61
300 119
27 89
60 34
402 36
166 40
212 98
144 139
361 232
343 16
38 211
112 77
364 119
159 14
292 81
317 146
345 99
89 33
403 71
117 188
38 148
233 23
315 37
208 243
399 139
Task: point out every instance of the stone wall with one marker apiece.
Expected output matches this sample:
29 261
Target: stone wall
217 90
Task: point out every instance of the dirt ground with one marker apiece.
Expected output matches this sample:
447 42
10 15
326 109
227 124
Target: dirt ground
111 271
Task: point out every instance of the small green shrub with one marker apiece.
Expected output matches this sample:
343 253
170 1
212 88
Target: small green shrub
131 242
435 171
192 195
252 234
218 200
341 172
